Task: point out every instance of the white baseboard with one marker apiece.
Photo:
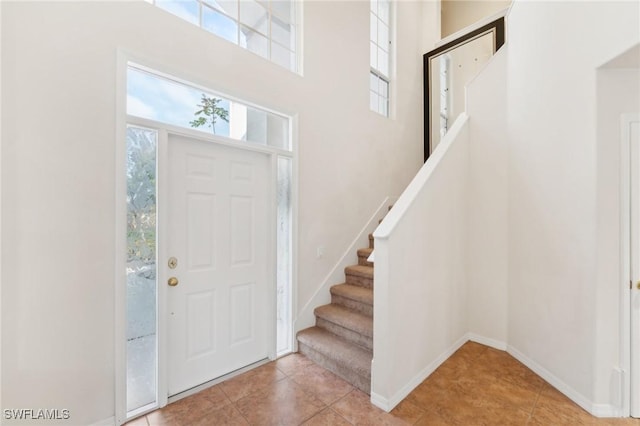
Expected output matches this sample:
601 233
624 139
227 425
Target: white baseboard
305 317
387 404
597 410
111 421
496 344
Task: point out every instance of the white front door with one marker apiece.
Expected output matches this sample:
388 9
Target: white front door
217 229
632 134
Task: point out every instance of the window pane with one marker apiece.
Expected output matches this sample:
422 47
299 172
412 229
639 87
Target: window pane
373 24
383 10
373 101
219 24
141 267
383 36
373 82
283 56
186 9
229 7
383 88
383 62
284 10
284 249
374 6
166 100
383 107
254 15
255 42
282 32
373 55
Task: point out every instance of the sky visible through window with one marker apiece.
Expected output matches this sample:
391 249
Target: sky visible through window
167 100
267 27
162 100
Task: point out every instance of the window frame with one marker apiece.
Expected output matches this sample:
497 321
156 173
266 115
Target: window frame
242 27
379 101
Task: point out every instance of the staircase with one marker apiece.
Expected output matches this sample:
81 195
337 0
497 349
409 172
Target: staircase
342 339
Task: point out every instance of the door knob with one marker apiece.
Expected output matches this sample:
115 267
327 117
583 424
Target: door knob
173 281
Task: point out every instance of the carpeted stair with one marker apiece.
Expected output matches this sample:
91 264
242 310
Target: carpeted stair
342 339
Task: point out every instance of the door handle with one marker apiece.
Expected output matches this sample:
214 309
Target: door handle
173 281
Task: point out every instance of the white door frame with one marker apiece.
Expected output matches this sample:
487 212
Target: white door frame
124 57
164 130
625 253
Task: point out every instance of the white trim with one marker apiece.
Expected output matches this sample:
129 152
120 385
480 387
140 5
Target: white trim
111 421
1 211
322 295
473 27
388 404
486 341
120 225
410 193
553 380
625 263
162 334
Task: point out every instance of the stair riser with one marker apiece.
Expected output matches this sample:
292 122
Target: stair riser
359 280
361 382
349 335
362 260
360 307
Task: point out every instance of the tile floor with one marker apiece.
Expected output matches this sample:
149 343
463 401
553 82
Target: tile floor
476 386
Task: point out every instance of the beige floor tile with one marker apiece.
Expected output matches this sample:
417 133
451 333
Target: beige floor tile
140 421
357 409
322 383
225 416
293 363
478 385
327 417
283 403
252 381
408 411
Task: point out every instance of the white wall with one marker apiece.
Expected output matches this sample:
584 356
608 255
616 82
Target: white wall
553 170
488 252
58 175
420 292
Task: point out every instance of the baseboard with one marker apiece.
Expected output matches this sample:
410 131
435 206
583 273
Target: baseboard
597 410
111 421
387 404
496 344
322 296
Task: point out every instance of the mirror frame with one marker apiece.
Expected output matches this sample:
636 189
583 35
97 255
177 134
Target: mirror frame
497 27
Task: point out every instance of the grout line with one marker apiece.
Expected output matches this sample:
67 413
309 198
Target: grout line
340 415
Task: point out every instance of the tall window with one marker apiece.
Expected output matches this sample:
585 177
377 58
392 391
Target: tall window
267 28
380 51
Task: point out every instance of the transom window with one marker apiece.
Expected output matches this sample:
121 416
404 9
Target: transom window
380 54
267 28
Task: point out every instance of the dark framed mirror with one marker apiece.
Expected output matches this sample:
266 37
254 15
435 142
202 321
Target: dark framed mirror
447 69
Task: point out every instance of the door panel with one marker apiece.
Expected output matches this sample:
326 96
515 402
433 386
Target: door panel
217 228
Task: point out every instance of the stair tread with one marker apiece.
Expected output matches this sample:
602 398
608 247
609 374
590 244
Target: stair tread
353 292
338 349
365 251
359 270
346 318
